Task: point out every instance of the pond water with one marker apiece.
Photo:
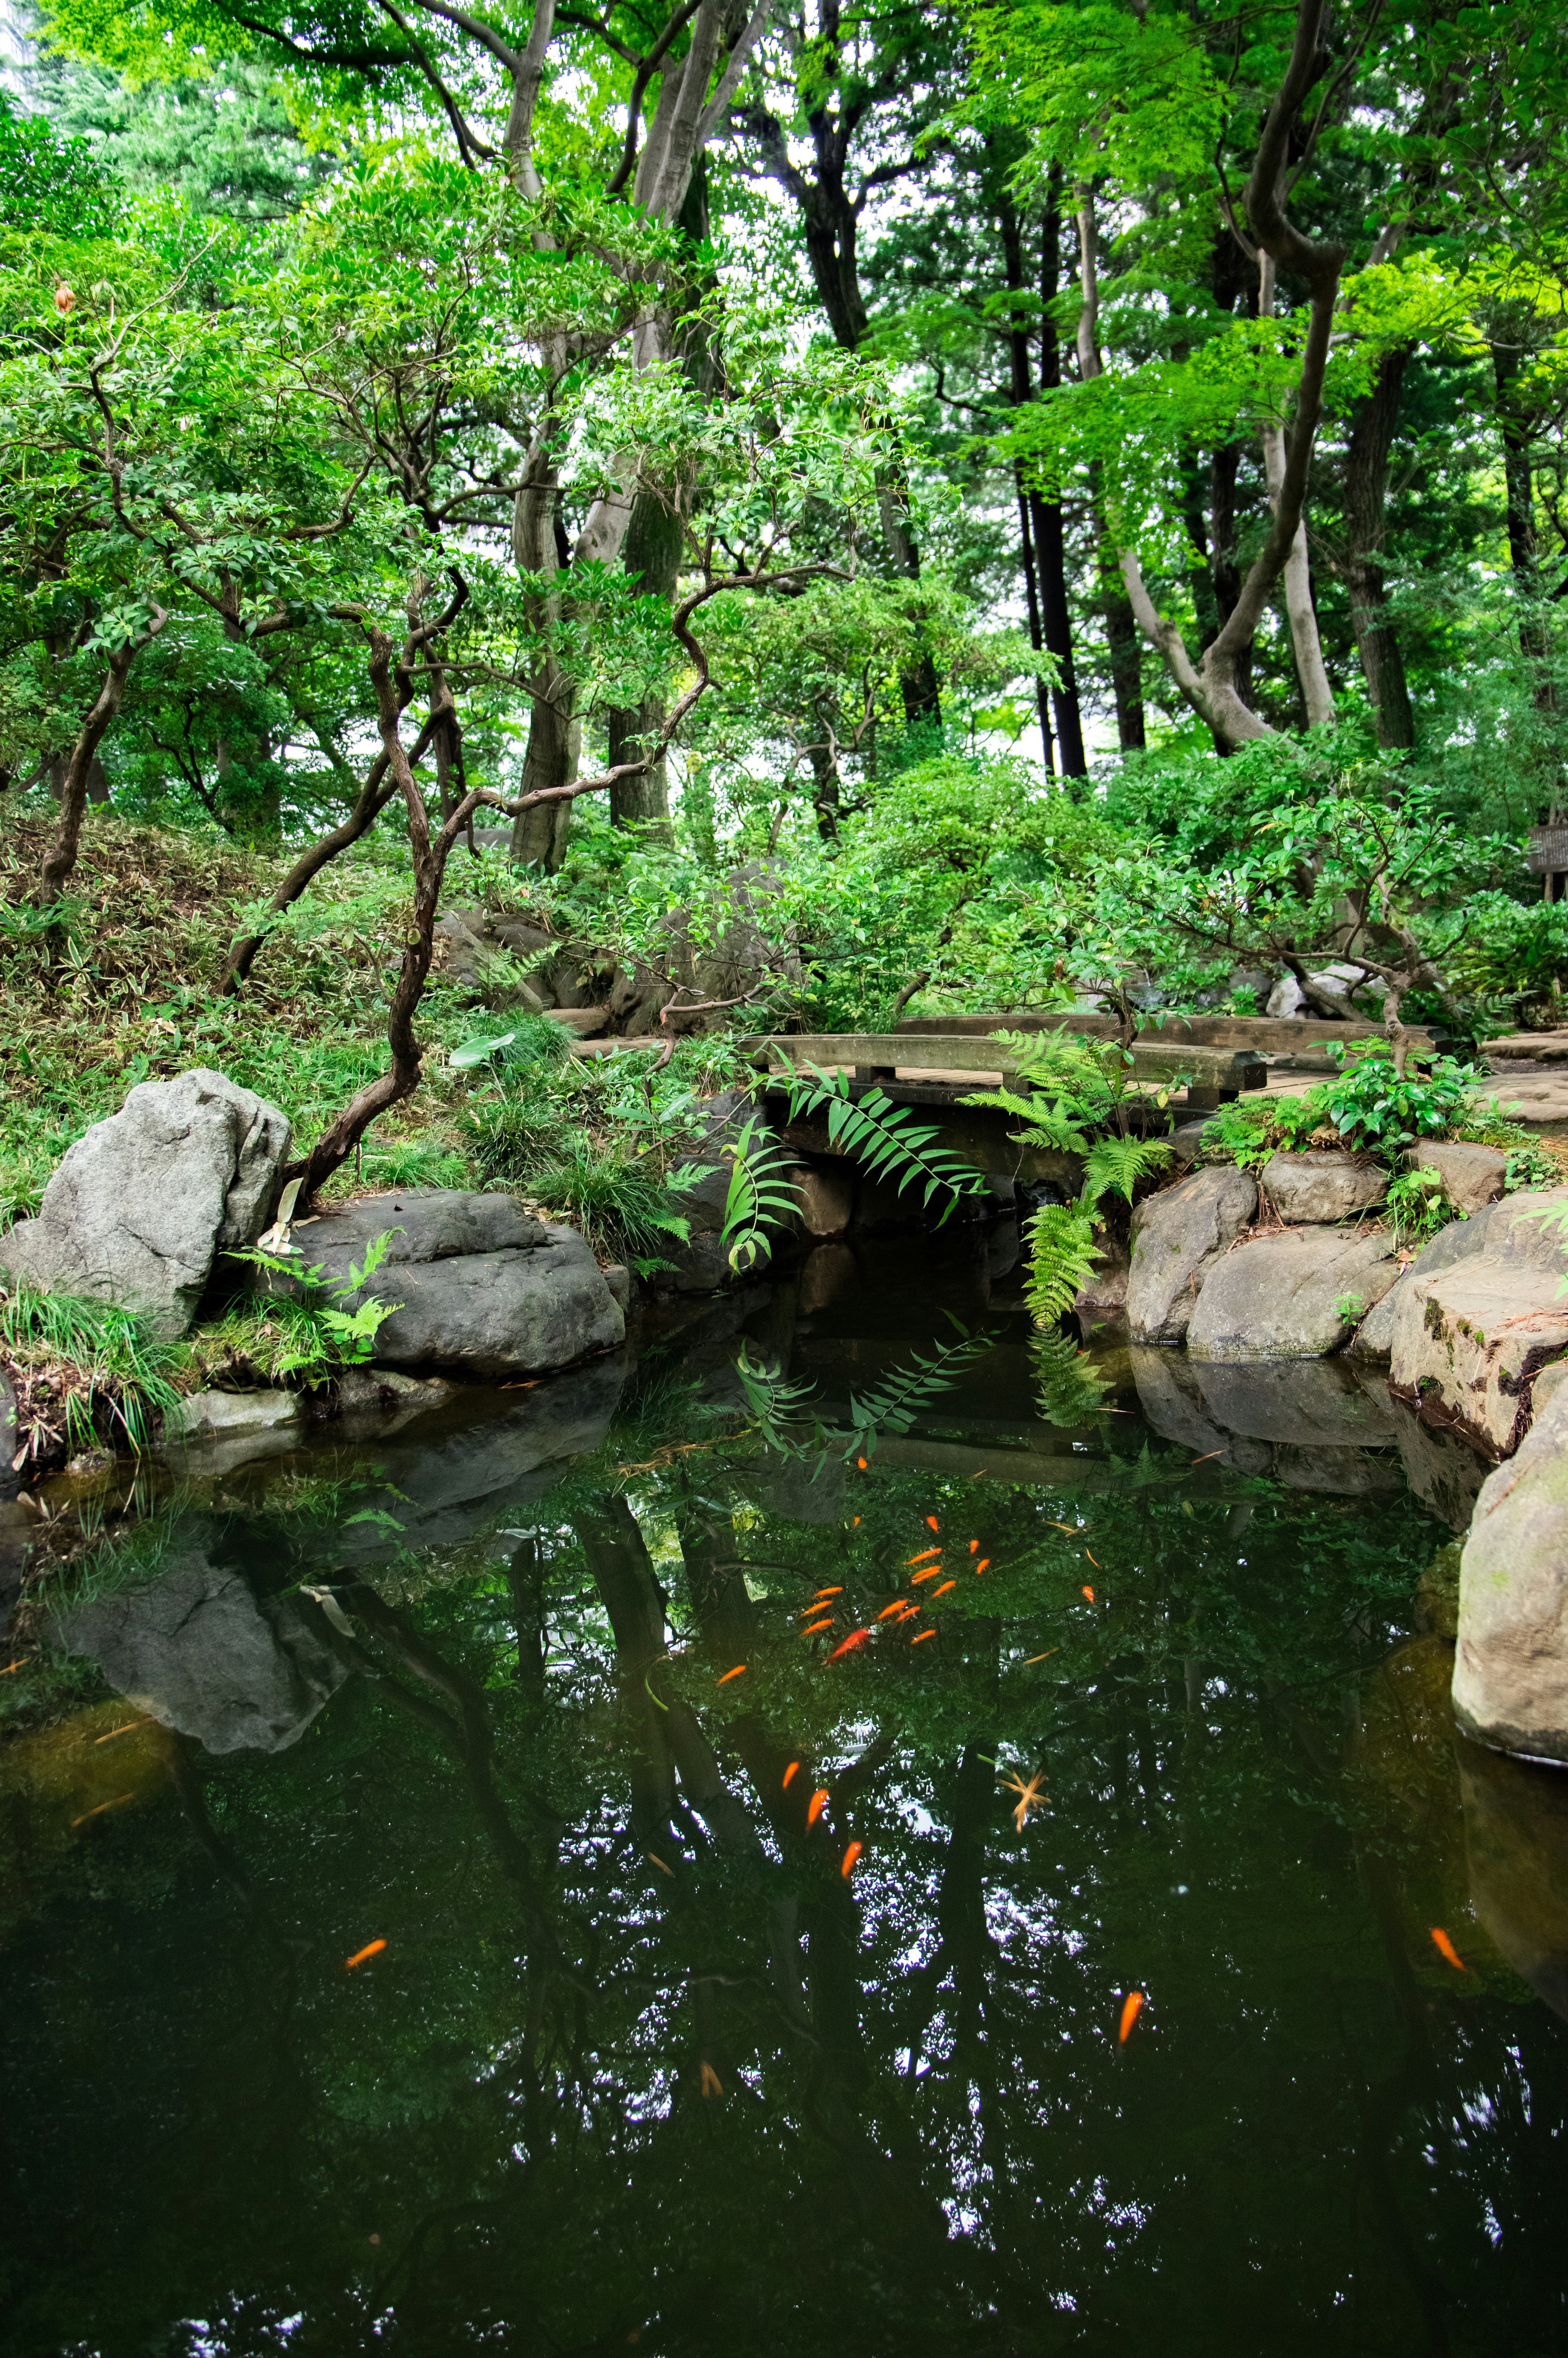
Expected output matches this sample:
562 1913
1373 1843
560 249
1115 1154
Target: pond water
647 2046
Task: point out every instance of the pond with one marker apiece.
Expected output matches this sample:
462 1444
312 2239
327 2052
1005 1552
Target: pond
454 1895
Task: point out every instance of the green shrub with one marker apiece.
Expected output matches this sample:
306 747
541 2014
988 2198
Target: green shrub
621 1209
1376 1113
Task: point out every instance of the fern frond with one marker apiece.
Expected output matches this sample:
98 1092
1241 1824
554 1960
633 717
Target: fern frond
776 1404
1062 1257
757 1197
1069 1388
884 1138
1119 1164
1053 1127
900 1396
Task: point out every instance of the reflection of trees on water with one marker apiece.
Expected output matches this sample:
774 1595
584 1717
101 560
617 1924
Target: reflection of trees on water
890 2110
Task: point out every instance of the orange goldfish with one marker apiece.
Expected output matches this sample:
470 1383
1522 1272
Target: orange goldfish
738 1671
856 1638
1131 2007
850 1856
896 1607
923 1637
947 1584
812 1629
373 1949
931 1524
861 1464
817 1804
932 1571
921 1557
792 1771
1445 1949
984 1564
1087 1592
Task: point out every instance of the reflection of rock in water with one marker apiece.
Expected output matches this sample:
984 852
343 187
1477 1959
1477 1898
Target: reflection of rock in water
1173 1405
195 1649
456 1471
1516 1844
1299 1401
1444 1471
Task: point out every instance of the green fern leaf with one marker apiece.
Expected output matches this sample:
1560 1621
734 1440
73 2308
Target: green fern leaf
1118 1164
884 1138
759 1197
1069 1389
1062 1258
899 1399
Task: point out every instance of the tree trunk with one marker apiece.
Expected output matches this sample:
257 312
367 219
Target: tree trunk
60 860
1037 638
653 550
1125 649
1050 541
1317 696
1366 489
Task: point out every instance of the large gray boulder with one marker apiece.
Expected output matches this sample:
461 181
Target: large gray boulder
193 1647
1480 1315
1175 1407
1510 1670
1312 1187
1177 1239
142 1203
1290 1297
481 1291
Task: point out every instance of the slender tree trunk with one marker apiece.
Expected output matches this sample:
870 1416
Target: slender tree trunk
1515 427
60 860
1317 696
1366 490
1124 645
1037 638
653 554
1050 539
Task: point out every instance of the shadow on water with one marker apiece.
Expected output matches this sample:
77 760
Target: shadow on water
719 1990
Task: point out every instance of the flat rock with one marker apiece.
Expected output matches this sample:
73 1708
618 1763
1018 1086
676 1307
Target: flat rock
228 1416
1469 1340
140 1205
1285 1297
1177 1237
196 1648
1472 1176
483 1291
1510 1670
1320 1187
1299 1402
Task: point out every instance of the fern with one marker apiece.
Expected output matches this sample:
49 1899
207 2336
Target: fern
758 1197
1056 1128
1116 1164
786 1413
883 1137
899 1399
1062 1258
1069 1388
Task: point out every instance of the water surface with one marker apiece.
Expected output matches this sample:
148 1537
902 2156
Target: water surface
640 2065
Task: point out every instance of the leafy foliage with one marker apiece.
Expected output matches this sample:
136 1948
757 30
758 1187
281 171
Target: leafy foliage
759 1198
885 1138
1374 1110
100 1367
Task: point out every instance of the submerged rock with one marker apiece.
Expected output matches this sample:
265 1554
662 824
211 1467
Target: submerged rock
1516 1848
1290 1297
1174 1406
1315 1187
1442 1470
193 1647
481 1290
1178 1236
141 1204
1510 1672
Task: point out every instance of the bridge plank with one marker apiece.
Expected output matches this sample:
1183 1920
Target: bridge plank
874 1055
